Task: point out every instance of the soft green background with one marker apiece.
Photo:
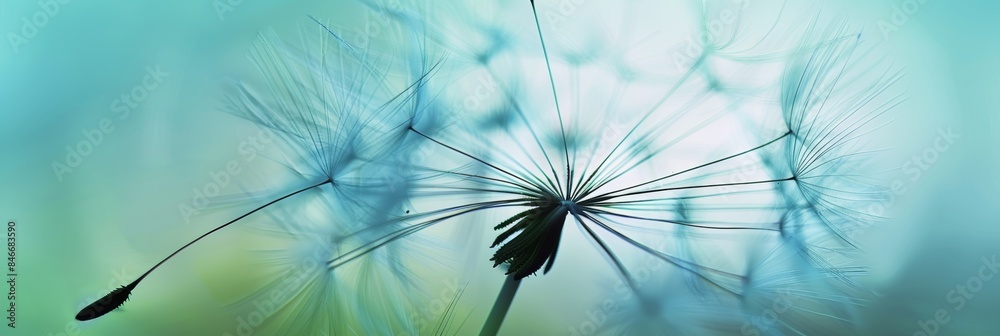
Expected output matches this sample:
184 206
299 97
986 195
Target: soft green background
116 213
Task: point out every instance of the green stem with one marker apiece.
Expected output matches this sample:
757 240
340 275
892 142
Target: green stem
501 306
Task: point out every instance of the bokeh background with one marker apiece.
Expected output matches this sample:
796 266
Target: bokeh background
103 222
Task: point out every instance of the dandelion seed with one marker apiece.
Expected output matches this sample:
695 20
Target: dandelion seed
336 141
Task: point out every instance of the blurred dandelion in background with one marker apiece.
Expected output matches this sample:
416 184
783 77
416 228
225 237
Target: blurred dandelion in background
714 159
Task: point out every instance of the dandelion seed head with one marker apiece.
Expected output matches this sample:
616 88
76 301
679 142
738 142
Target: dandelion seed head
739 173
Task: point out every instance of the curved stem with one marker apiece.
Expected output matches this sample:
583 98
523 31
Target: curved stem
220 227
117 297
